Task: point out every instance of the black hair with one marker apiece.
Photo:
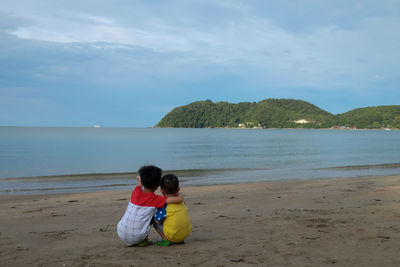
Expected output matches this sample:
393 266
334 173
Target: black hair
150 176
170 184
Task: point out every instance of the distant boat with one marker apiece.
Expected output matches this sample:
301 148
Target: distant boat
387 129
96 126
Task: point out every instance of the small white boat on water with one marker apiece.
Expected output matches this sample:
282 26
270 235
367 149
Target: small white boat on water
96 126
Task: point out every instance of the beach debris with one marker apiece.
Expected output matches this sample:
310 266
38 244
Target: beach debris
167 258
198 203
122 199
106 228
85 257
34 210
384 237
311 237
55 214
238 260
70 201
297 210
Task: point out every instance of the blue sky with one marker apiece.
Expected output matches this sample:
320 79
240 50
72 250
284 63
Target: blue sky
127 63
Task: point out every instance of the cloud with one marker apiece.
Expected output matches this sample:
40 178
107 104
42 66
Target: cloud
322 55
188 50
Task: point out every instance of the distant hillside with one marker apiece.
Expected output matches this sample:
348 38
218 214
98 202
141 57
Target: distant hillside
270 113
371 117
277 113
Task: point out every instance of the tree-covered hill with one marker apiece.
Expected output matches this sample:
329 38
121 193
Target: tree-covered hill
288 113
277 113
371 117
270 113
203 114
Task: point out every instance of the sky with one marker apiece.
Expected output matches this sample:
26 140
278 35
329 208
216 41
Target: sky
127 63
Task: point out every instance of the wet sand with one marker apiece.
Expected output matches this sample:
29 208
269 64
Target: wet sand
342 222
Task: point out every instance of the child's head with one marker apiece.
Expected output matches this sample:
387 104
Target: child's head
169 184
150 176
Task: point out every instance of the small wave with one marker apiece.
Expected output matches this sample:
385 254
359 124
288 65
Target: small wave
122 175
361 167
49 189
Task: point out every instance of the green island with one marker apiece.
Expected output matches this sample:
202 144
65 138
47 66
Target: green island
278 113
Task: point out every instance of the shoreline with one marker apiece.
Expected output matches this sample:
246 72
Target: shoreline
184 172
346 221
92 182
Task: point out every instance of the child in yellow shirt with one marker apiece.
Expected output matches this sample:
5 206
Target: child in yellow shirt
171 221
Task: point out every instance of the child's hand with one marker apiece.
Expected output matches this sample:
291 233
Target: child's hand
175 199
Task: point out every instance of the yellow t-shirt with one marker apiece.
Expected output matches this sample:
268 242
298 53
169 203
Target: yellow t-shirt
177 225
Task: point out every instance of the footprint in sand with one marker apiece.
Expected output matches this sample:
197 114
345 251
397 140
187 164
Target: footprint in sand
58 235
31 211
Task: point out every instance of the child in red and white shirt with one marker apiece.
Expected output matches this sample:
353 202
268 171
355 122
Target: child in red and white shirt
134 226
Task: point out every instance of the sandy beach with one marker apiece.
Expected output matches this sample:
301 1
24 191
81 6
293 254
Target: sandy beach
342 222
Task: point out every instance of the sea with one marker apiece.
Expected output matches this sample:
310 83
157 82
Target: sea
48 160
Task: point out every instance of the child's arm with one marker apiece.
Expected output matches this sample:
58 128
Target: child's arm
175 199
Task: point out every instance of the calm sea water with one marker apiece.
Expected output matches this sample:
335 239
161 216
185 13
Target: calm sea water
208 156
